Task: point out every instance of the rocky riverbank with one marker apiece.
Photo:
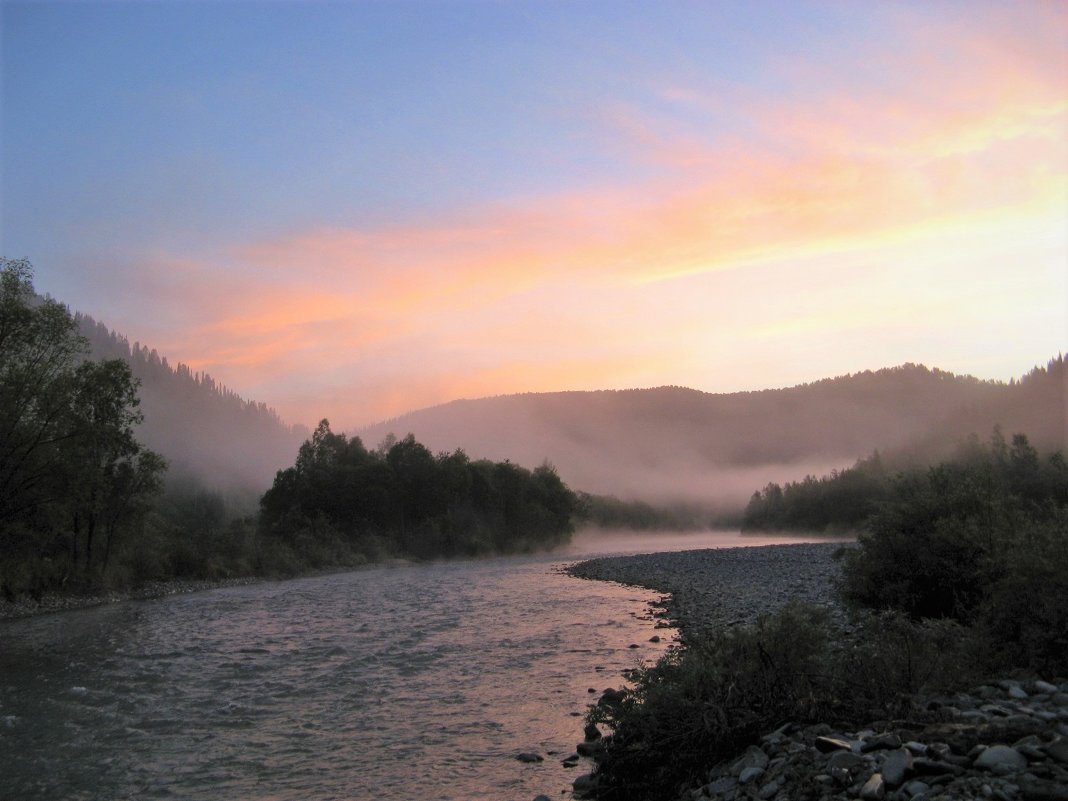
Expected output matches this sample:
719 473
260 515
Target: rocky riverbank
1007 740
728 586
1003 741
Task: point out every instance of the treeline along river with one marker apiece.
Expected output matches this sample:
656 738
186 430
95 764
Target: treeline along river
422 681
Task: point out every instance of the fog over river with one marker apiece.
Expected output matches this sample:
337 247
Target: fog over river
417 682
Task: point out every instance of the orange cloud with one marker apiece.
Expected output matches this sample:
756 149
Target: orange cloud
968 135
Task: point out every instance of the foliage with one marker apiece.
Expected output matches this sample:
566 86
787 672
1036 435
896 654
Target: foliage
705 703
841 501
1025 614
702 704
73 479
981 540
341 501
962 571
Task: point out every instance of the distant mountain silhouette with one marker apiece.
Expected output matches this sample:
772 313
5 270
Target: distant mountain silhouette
662 444
207 432
677 444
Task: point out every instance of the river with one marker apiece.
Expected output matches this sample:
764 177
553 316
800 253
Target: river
418 682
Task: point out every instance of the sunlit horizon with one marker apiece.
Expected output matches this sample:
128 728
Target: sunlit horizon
356 211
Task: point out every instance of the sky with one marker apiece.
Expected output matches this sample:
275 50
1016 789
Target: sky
356 209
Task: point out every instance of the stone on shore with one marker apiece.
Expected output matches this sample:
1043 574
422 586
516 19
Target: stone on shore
584 784
895 765
1001 759
754 757
874 788
828 744
1004 740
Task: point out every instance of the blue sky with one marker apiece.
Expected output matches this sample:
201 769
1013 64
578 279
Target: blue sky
395 202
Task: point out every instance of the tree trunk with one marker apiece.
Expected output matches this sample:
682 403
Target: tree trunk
89 530
75 536
109 530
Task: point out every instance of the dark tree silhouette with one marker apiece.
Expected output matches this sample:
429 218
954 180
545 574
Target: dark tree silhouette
71 470
341 499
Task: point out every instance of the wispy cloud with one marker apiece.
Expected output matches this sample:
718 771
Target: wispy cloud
965 130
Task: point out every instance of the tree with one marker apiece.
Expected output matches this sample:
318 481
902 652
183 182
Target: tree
70 466
341 499
108 469
39 347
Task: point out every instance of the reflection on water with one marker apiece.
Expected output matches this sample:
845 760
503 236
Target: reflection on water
421 681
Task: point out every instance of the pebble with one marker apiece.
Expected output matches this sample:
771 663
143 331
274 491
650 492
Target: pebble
1007 740
996 770
714 587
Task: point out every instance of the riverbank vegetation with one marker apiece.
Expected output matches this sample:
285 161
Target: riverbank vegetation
342 503
75 484
961 573
85 505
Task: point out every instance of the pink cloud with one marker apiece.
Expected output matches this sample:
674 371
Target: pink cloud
966 127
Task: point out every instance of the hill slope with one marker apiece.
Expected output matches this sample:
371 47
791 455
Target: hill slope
206 432
678 444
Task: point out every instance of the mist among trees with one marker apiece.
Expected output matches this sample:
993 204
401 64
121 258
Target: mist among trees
117 468
84 503
677 446
212 436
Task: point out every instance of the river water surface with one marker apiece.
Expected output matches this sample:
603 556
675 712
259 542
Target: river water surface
418 682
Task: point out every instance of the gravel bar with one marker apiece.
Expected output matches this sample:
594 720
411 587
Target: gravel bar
727 586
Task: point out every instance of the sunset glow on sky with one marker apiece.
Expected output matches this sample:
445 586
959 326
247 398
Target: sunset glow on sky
353 210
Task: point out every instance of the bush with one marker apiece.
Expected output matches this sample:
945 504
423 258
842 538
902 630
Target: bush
1025 614
707 702
966 568
982 541
890 658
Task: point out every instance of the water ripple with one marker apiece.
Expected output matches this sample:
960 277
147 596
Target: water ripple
387 683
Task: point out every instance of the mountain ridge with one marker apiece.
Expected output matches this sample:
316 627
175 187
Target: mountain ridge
669 443
694 445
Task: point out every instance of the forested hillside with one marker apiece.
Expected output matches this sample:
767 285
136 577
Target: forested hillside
208 433
678 444
83 503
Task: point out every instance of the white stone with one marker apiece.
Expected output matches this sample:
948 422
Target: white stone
874 788
1001 759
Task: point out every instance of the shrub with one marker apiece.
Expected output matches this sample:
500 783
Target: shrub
706 702
890 658
982 541
1025 615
